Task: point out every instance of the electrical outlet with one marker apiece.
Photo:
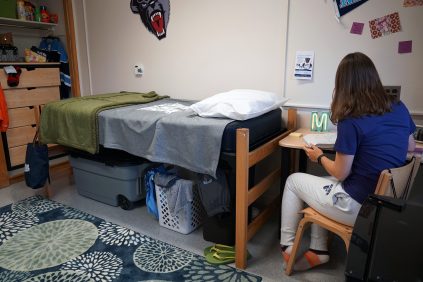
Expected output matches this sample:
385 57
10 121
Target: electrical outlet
393 90
139 70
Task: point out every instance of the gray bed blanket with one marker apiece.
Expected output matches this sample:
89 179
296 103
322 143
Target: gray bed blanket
160 132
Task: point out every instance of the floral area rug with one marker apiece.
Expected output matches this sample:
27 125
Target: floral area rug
42 240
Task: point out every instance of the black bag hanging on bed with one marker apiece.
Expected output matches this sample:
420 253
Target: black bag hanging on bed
36 164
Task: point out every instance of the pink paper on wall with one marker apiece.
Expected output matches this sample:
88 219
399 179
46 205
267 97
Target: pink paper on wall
412 3
357 28
385 25
405 46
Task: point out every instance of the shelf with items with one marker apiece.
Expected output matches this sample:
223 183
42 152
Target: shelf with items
8 22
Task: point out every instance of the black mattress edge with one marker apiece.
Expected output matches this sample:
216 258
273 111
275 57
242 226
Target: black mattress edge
261 129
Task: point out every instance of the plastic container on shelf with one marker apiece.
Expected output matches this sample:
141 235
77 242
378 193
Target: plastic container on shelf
45 17
20 9
37 15
29 11
54 18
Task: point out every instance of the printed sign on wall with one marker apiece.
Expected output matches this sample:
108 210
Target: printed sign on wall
154 15
304 65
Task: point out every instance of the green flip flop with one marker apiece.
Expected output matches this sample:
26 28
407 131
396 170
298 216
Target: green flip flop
208 250
222 257
217 248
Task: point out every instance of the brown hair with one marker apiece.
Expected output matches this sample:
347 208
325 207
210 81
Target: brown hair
358 89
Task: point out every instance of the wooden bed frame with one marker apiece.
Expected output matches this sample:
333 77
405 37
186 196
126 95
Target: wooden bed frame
245 195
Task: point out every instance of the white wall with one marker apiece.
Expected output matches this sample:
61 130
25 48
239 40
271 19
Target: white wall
211 46
313 27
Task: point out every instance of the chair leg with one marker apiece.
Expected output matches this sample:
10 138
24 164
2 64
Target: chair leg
302 226
347 239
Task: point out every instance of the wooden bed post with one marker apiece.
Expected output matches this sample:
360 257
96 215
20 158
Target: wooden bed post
292 119
245 195
241 219
292 125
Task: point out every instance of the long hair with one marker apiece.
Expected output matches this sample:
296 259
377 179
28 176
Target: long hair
358 89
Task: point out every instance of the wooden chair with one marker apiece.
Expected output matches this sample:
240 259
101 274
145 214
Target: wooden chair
398 179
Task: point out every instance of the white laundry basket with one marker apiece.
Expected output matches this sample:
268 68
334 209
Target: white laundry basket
187 220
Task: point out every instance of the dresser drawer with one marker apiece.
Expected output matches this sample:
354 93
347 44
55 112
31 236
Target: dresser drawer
20 136
38 77
29 97
17 155
22 116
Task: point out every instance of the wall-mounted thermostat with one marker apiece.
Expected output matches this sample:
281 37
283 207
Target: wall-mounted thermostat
138 69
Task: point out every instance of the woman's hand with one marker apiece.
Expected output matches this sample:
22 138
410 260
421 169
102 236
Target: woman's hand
340 168
313 152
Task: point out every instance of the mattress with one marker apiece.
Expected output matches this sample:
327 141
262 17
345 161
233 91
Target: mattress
167 131
261 129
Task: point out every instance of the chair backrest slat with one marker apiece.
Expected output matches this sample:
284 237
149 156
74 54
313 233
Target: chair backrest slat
398 181
383 182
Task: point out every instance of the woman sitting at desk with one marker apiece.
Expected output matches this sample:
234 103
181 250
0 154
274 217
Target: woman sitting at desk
374 132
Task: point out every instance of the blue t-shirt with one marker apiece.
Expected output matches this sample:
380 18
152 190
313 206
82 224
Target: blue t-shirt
377 142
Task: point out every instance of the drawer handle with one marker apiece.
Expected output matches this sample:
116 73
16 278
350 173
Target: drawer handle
31 88
33 125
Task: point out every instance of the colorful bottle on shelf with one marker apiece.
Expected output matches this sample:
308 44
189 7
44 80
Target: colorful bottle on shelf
37 16
20 9
45 18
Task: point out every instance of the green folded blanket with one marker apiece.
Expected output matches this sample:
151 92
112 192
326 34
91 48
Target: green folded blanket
73 122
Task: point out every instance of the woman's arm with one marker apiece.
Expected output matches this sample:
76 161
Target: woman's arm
411 143
340 168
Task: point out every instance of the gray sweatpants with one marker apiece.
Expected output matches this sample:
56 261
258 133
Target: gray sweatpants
325 195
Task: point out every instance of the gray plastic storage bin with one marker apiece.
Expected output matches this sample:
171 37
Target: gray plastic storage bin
118 185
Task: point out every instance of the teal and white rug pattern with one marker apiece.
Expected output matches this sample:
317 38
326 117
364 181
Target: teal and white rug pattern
42 240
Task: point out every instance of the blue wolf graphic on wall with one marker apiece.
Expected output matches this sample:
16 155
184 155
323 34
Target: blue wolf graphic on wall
154 15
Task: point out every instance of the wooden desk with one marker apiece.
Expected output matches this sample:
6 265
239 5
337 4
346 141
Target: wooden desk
295 142
291 148
289 156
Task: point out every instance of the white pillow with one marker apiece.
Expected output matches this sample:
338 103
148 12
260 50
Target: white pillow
238 104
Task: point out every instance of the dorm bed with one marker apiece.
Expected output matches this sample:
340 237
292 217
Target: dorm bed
242 145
